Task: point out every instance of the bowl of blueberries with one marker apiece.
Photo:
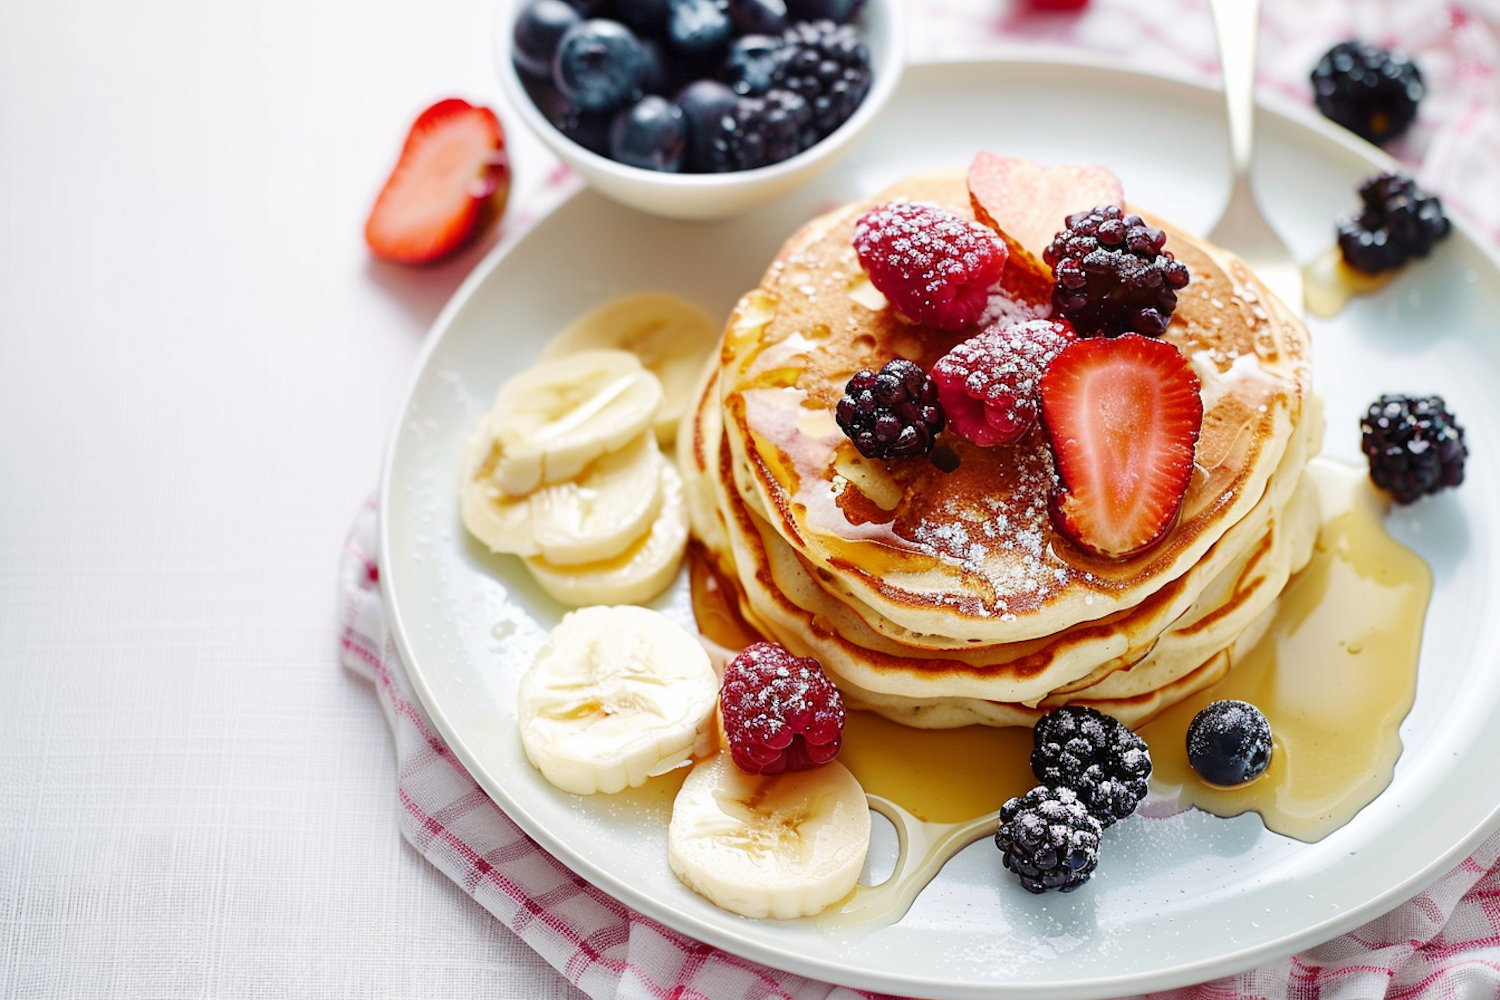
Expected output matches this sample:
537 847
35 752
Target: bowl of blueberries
698 109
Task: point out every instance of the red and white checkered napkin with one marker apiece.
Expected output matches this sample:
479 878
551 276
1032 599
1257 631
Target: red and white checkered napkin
1443 944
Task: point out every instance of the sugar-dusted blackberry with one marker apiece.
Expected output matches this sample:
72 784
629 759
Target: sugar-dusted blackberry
759 131
1049 839
1397 222
827 64
1229 743
781 712
1414 445
1095 755
1114 274
892 413
1372 91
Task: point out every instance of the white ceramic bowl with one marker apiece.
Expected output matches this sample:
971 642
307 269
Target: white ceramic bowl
713 196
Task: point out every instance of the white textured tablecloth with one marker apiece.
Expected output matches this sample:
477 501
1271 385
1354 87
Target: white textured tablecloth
201 368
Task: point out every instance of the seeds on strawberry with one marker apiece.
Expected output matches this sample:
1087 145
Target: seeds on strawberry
989 385
1122 418
935 267
781 712
450 183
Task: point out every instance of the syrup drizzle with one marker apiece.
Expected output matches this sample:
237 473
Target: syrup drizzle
1328 284
1335 674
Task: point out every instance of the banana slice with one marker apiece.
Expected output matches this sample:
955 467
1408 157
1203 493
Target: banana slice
785 845
639 573
550 421
604 511
671 336
617 695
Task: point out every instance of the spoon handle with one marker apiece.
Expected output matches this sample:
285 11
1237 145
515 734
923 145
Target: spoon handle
1236 23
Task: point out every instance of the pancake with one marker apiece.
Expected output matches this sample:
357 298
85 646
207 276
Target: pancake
1131 663
945 560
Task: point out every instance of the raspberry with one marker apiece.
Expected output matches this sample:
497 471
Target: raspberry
1113 275
1399 221
934 267
1414 445
760 131
1096 756
828 65
989 384
893 413
1369 90
781 712
1229 743
1049 839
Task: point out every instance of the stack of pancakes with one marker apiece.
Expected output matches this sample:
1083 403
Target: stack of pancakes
935 590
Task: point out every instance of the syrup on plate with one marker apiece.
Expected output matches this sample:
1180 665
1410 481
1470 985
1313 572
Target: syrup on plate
1335 674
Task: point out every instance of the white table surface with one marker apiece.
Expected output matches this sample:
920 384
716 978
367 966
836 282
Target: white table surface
200 366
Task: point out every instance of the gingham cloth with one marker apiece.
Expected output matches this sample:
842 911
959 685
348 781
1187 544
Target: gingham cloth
1444 943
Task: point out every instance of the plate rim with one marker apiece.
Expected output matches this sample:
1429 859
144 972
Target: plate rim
1182 974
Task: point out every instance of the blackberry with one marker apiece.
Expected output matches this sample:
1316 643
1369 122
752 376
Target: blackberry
893 413
760 131
1399 221
1229 743
1113 274
1414 445
1372 91
826 64
1095 755
1049 839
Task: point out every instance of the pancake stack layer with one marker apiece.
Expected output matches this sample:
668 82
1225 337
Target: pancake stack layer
935 590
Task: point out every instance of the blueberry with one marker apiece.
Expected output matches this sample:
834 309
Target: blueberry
590 129
646 16
539 26
651 133
1229 743
837 11
656 77
599 65
704 103
698 26
757 17
751 63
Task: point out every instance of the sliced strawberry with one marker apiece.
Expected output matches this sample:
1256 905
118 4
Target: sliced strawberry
1122 418
450 183
1026 203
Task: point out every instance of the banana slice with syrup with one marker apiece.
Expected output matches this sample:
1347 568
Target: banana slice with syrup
636 575
616 696
671 336
549 422
785 845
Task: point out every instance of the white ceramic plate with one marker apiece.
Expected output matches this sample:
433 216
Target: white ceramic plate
1175 901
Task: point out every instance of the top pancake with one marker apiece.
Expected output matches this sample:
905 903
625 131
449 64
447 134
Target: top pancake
969 555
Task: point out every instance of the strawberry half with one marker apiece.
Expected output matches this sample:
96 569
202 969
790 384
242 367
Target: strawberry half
1027 204
451 182
1122 417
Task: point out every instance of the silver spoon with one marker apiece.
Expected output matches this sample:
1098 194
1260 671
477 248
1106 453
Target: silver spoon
1243 228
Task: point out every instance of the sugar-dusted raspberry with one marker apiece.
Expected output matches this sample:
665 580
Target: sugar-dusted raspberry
781 712
935 267
989 384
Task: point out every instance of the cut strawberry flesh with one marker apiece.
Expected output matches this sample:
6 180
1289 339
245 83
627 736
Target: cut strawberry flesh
450 182
1027 203
1122 417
